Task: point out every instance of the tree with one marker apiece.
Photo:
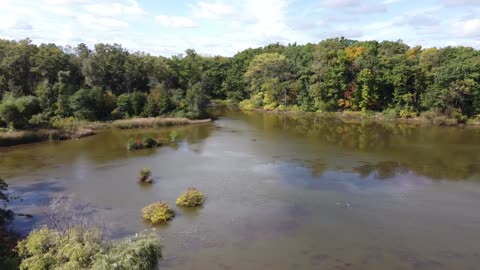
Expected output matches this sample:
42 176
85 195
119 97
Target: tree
16 112
196 100
158 101
266 73
367 87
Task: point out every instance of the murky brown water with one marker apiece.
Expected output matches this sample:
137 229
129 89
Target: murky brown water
283 192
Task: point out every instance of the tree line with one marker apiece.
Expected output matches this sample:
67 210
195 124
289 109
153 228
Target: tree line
45 82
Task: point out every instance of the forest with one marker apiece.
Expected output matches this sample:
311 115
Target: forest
40 84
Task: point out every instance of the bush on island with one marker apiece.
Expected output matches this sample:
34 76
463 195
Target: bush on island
158 212
145 176
145 142
148 142
190 198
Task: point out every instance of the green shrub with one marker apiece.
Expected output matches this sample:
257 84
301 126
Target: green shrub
8 238
16 112
173 136
407 114
390 113
142 252
190 198
133 144
444 121
457 114
148 142
145 176
78 248
158 212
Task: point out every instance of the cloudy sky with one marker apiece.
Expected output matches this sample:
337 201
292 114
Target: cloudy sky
224 27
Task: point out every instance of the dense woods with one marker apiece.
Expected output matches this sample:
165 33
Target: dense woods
40 84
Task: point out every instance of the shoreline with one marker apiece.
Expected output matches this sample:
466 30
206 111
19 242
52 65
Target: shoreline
357 117
86 129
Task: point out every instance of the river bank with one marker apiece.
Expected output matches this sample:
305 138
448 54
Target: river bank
425 118
81 129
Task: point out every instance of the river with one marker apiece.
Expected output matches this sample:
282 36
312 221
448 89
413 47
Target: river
282 191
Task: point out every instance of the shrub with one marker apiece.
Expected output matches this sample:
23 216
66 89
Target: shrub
173 136
407 114
158 212
16 112
145 176
78 248
8 258
190 198
148 142
390 113
444 121
139 252
133 144
246 105
39 120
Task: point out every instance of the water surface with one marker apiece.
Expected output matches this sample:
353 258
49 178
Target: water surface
283 192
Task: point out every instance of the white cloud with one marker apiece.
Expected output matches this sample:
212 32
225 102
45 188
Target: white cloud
389 2
101 23
175 21
461 2
340 3
209 10
114 9
228 26
469 28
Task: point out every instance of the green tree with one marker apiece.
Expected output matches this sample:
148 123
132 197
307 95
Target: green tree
158 101
196 102
16 112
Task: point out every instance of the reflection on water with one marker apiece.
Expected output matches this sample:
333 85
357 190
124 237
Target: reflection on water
283 191
436 152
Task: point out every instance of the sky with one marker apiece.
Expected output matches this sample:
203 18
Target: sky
225 27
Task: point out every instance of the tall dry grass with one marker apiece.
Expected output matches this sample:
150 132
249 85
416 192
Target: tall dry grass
39 135
154 122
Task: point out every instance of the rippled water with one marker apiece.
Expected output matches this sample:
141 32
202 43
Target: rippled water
283 192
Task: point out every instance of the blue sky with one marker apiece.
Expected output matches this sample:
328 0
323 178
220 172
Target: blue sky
224 27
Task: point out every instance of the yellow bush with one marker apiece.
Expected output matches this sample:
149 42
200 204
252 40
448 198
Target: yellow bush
158 212
191 198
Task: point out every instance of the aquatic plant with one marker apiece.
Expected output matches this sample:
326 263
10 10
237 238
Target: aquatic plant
158 212
145 176
190 198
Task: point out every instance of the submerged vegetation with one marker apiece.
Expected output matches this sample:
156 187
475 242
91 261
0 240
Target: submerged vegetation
190 198
158 212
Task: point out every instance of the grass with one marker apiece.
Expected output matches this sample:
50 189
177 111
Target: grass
191 198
